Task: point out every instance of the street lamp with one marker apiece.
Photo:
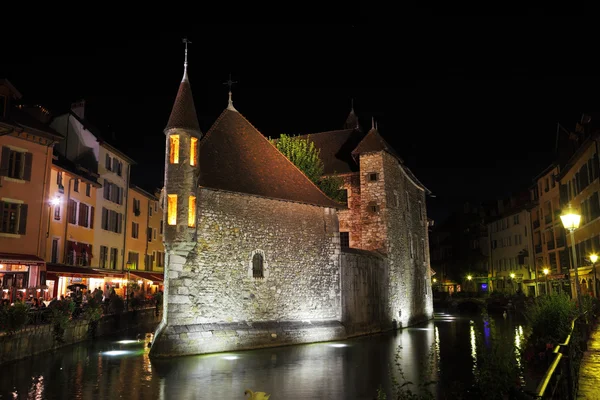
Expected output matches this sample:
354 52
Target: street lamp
546 272
571 221
469 278
593 259
512 281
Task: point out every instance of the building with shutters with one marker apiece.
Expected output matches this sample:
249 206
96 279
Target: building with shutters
26 143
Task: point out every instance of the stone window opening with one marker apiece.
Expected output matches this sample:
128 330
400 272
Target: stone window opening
192 211
258 267
174 149
345 239
193 151
373 176
373 207
172 209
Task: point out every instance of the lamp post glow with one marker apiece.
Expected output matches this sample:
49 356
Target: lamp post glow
512 281
593 259
546 272
571 221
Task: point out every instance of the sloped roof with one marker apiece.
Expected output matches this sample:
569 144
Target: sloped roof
352 121
336 149
21 119
234 156
183 114
372 142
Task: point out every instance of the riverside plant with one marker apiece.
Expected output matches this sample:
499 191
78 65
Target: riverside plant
93 313
61 312
13 318
549 320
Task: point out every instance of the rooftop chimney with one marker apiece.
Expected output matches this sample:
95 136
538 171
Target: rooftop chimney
78 108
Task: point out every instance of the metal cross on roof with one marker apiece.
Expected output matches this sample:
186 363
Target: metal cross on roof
229 82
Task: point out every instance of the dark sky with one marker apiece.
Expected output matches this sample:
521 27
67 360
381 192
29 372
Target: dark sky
474 116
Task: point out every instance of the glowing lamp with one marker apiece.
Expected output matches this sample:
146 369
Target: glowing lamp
593 258
546 271
469 277
512 276
570 219
434 280
55 201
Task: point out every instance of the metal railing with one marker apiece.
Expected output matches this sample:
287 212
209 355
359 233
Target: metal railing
561 379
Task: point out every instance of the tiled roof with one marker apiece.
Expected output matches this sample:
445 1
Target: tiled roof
336 149
22 119
234 156
183 114
374 142
352 121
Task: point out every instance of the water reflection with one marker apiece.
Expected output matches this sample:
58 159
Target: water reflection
444 350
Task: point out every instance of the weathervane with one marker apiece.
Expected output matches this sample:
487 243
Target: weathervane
230 83
185 41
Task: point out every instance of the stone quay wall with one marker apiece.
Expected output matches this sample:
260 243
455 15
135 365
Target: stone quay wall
364 292
33 340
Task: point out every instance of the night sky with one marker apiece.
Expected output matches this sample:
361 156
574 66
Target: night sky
473 119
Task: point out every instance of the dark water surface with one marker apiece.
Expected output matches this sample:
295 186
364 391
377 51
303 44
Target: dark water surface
119 368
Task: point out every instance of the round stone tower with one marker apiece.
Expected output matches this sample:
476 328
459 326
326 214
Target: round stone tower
181 167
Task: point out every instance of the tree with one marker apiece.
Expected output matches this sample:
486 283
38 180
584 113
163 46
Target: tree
305 156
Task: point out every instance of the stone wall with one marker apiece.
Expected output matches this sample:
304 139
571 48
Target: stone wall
213 283
350 218
364 292
411 299
33 340
374 229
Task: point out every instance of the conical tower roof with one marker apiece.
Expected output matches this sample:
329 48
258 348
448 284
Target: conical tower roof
352 120
373 142
183 114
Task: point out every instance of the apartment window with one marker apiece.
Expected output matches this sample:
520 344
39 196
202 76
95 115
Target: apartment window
373 176
16 164
516 220
72 212
135 227
103 256
114 253
150 210
54 251
156 206
76 185
108 162
174 149
161 227
345 239
192 211
57 212
154 233
133 259
88 189
112 221
137 210
373 207
149 234
257 266
59 178
172 209
13 218
148 262
113 192
86 216
193 151
160 259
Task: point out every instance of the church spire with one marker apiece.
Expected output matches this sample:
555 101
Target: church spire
183 114
230 83
352 120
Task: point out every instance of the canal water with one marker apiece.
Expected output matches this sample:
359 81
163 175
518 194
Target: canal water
119 368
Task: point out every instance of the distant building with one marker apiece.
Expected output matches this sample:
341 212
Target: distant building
25 163
512 268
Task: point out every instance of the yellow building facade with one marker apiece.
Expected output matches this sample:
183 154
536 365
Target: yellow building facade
579 187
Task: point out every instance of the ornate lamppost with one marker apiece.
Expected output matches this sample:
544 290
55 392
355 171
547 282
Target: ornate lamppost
571 220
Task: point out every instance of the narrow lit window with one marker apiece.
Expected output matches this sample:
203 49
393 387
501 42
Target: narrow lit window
172 209
174 149
257 266
193 152
192 211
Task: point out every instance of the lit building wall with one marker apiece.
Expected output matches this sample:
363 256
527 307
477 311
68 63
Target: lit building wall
72 205
156 247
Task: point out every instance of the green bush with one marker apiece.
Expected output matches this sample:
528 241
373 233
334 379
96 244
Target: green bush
14 318
93 313
60 315
549 319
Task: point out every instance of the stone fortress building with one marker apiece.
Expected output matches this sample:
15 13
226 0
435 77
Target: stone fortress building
257 255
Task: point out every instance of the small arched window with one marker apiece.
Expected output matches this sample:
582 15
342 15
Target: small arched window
257 266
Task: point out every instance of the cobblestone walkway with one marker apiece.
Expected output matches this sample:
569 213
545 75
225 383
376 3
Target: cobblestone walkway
589 374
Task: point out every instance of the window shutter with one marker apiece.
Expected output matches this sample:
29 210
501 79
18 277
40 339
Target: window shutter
120 223
23 219
27 168
4 161
81 221
121 196
107 162
92 218
106 188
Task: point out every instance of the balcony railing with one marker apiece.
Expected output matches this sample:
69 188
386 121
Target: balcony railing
536 224
538 248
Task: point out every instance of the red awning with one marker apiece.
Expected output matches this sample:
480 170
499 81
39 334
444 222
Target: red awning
67 270
148 275
14 258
